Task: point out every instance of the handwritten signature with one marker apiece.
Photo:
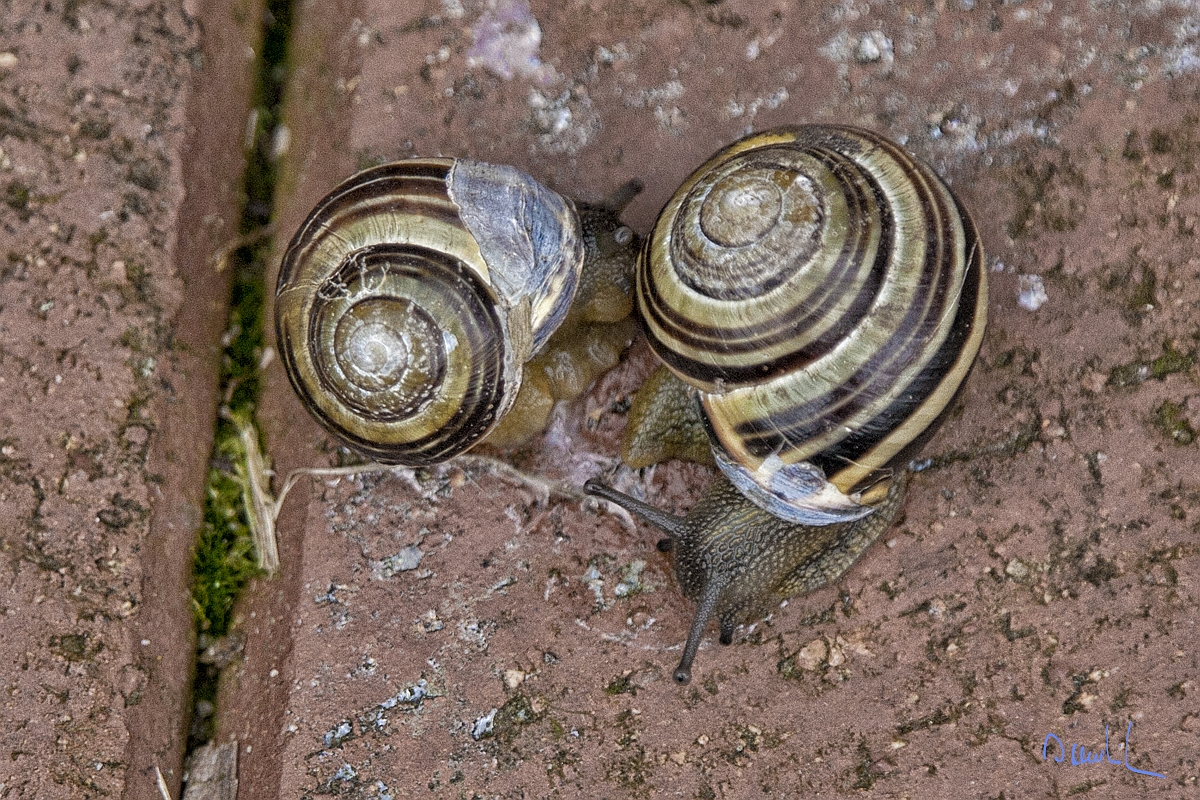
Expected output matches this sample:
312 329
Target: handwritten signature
1081 757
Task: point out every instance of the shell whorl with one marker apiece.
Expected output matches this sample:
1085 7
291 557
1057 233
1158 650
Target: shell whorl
824 292
413 294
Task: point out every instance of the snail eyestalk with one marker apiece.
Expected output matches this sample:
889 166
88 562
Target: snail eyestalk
622 196
674 526
704 612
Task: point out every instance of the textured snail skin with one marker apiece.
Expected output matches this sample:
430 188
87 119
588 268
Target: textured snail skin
818 297
411 300
738 563
665 422
597 330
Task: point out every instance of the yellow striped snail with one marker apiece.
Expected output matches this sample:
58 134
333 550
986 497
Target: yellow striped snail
818 296
426 305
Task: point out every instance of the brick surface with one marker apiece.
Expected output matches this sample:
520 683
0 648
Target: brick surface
120 130
1044 579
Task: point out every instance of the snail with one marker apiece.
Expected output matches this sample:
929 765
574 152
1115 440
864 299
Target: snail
426 305
817 297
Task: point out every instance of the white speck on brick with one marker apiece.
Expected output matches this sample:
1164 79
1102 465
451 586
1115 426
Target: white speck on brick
1031 292
506 41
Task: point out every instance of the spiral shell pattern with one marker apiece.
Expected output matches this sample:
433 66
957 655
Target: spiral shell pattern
413 294
823 290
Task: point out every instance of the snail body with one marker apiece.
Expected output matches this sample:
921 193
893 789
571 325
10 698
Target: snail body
412 300
818 297
738 562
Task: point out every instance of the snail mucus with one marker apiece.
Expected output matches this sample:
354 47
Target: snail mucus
817 297
430 304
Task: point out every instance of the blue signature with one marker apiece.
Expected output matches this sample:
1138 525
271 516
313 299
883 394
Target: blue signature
1081 757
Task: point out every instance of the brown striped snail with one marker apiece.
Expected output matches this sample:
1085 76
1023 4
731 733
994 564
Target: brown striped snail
818 296
427 304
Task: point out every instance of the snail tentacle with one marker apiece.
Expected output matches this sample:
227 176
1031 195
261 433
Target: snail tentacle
738 563
674 526
704 612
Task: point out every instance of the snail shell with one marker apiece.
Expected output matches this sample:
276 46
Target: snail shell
825 294
822 294
412 296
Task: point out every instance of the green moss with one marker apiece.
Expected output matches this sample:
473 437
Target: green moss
137 277
1170 421
864 770
514 715
622 684
224 559
16 197
557 764
71 646
1169 362
1101 572
747 739
557 731
518 715
1127 374
630 768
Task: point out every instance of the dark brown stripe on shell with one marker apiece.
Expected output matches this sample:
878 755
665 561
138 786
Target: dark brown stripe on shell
873 378
379 189
749 339
857 446
477 413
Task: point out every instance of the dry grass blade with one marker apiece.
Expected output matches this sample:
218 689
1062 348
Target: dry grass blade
254 474
162 784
